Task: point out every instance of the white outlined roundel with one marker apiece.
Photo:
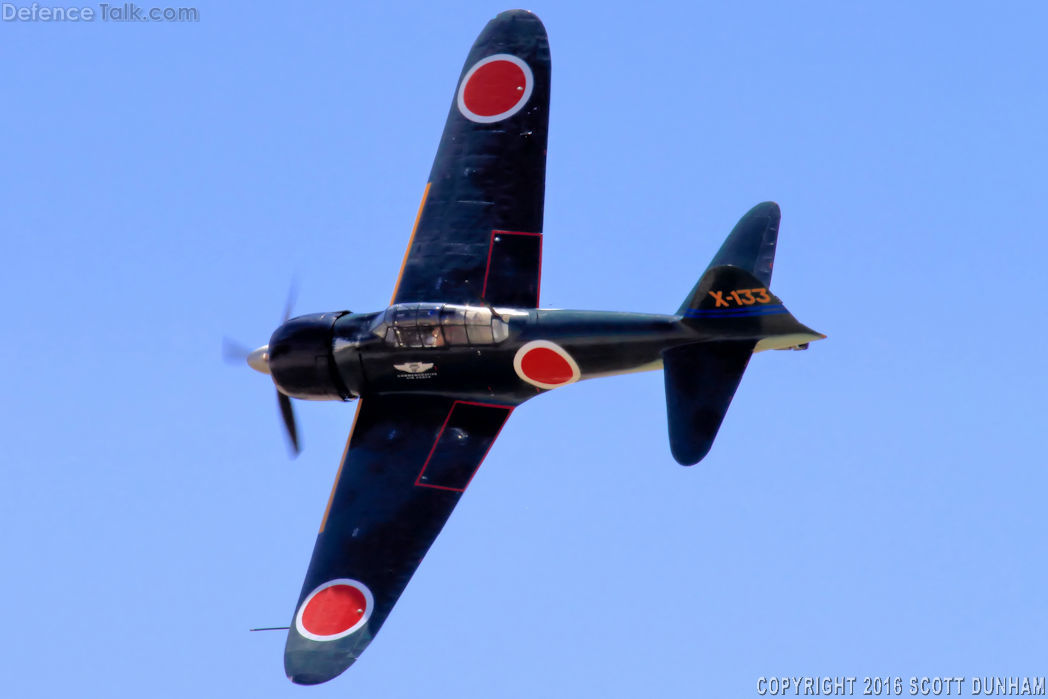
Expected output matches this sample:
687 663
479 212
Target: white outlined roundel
502 77
545 364
334 610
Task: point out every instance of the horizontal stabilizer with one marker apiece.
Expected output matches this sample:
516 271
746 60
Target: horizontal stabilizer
701 379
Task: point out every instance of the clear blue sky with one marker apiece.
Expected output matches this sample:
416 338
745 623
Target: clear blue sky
875 506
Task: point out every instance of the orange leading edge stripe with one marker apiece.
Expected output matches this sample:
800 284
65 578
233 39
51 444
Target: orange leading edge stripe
411 241
341 465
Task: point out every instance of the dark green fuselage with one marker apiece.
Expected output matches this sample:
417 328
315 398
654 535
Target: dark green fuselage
600 343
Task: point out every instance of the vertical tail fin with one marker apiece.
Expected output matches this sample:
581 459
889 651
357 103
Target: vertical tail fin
732 301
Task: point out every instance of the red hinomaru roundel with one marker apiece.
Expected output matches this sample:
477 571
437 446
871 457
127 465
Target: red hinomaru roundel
495 88
545 364
334 610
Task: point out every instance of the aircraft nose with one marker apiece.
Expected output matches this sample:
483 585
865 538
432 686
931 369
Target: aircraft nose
259 359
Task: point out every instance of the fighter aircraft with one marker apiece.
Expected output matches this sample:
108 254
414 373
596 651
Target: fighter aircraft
464 342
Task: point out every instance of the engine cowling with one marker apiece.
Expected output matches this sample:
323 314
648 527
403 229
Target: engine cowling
300 358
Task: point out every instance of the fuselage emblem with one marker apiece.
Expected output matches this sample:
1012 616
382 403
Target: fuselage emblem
545 364
414 367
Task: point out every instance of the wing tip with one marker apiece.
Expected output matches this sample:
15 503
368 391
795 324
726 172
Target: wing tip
309 668
519 12
509 17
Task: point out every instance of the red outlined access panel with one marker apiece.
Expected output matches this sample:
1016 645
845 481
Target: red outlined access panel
513 274
461 445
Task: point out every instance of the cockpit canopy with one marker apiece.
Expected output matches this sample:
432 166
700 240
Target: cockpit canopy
417 325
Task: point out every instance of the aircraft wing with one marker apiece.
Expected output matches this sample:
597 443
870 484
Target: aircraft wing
478 234
408 460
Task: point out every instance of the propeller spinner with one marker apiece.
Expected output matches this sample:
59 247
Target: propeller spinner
259 359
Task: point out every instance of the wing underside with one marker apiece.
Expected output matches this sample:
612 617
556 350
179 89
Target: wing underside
408 460
477 240
478 237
